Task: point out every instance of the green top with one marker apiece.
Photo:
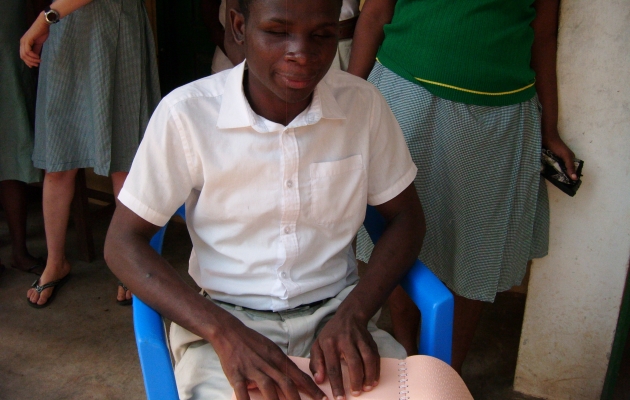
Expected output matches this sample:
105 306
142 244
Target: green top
469 51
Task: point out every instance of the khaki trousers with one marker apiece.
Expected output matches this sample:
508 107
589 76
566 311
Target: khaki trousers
198 370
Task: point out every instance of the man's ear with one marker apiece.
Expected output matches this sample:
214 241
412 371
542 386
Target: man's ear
237 21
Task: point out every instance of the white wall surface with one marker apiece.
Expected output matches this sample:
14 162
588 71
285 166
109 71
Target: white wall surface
575 292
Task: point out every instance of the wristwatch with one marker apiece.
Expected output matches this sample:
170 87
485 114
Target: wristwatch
51 16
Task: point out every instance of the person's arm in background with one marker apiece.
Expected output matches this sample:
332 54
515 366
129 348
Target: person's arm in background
210 17
32 41
369 35
222 36
543 62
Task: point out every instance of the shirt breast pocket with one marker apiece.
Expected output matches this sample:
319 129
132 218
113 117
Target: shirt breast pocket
338 191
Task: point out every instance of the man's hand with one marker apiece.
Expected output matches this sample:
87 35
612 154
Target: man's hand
250 360
346 337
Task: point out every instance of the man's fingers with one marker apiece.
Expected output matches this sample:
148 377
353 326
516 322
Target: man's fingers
240 389
333 370
355 369
371 364
306 385
317 363
267 387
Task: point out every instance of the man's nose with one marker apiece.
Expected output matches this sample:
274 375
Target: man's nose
300 50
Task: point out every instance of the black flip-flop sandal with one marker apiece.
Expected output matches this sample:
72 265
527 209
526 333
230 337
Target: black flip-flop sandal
35 269
125 302
56 285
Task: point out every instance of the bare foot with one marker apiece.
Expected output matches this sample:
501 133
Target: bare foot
28 263
50 274
124 294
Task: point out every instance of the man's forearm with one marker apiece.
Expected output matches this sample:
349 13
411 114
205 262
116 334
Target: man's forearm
152 278
393 255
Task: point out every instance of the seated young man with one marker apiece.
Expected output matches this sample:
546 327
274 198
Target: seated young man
275 160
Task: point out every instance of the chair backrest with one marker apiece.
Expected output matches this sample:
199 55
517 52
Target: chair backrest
433 299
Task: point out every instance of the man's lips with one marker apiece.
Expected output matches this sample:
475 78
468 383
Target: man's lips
297 81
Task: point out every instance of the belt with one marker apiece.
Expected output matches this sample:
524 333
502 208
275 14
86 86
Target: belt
346 28
298 308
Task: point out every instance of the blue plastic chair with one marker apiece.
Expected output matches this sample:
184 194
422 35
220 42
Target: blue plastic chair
433 299
155 356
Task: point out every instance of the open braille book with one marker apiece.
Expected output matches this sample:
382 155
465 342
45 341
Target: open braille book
414 378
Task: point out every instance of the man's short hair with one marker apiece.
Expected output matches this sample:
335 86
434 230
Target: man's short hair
244 6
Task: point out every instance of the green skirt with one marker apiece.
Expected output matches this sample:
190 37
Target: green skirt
486 206
17 99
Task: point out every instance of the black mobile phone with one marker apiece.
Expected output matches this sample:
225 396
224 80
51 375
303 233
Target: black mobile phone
552 168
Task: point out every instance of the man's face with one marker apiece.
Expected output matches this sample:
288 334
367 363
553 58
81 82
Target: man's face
289 46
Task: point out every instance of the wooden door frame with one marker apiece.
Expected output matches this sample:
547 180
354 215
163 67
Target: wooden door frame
619 343
152 13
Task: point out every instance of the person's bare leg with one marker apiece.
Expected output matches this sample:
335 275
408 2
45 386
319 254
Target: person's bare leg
118 180
467 314
13 198
405 320
57 197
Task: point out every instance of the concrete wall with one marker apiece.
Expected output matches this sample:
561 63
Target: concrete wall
575 292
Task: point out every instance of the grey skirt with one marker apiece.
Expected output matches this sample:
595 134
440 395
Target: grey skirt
486 206
98 86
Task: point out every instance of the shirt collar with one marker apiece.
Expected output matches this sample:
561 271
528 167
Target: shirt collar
236 112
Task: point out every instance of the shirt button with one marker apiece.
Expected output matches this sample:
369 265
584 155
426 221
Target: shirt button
284 274
287 229
289 183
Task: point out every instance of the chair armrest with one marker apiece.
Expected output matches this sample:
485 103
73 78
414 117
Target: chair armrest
431 296
436 304
153 351
155 357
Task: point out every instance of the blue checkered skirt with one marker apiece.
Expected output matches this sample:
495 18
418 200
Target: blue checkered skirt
486 206
98 86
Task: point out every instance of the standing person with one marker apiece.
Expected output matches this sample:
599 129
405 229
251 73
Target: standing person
98 86
228 53
16 135
462 79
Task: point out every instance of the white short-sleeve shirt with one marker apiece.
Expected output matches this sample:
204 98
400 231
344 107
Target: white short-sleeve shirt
271 209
